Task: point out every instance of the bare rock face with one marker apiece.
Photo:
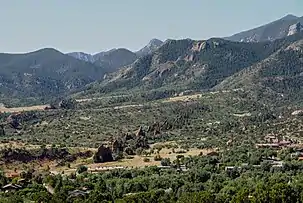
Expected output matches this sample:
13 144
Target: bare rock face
141 142
155 128
152 46
2 132
13 121
297 113
104 154
127 137
140 132
117 147
294 29
141 139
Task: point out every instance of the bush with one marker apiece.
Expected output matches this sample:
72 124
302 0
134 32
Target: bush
67 104
158 158
129 151
180 156
118 156
146 159
165 162
180 152
139 151
82 169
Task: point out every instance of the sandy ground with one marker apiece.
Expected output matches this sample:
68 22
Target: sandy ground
20 109
137 161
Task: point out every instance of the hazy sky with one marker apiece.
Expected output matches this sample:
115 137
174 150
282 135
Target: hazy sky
97 25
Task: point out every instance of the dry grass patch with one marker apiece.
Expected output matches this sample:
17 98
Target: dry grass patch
183 98
25 108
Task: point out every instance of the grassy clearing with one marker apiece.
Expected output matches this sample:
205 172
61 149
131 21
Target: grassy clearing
133 162
138 161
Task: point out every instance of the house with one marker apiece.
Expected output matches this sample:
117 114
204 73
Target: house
183 168
268 145
232 168
275 141
285 143
49 188
11 187
164 167
275 145
271 139
77 193
22 181
277 164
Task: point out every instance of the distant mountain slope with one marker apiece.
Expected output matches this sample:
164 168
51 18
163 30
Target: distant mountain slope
152 46
188 64
82 56
110 60
272 31
281 73
43 74
114 59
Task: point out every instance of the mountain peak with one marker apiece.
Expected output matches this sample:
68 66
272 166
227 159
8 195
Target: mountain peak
150 47
155 42
290 17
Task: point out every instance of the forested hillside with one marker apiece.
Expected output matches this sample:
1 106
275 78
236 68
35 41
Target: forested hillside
278 29
281 73
43 74
190 65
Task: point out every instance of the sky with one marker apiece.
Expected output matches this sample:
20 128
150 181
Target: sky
97 25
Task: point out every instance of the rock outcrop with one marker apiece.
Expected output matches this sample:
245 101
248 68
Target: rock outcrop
140 132
104 154
14 121
124 144
117 147
152 46
2 132
297 113
295 28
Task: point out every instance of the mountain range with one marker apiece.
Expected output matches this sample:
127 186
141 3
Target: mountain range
268 57
180 65
44 74
280 73
116 58
278 29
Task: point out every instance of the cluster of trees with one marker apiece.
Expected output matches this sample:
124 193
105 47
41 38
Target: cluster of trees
204 181
11 155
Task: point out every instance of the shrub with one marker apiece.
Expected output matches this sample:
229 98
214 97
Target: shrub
82 169
146 159
180 156
67 104
129 151
165 162
157 158
139 151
